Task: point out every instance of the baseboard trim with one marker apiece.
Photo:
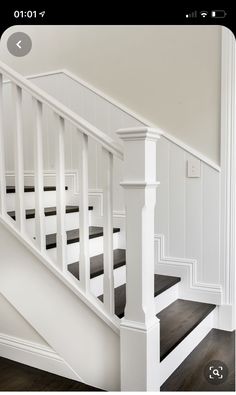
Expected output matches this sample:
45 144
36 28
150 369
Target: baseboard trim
35 355
226 317
190 288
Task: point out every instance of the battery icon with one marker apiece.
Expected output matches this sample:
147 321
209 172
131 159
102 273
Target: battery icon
218 14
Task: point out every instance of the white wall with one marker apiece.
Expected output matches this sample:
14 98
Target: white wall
168 74
13 324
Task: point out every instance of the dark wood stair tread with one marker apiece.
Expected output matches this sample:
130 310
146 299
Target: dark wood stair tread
161 284
96 264
12 189
48 211
178 320
73 235
218 345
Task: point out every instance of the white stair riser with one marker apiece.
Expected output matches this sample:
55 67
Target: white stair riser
97 282
29 200
95 248
166 298
71 222
178 355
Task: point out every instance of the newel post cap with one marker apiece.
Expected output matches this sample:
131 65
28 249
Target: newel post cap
139 133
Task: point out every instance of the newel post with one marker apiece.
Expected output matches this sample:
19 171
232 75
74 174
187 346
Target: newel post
140 333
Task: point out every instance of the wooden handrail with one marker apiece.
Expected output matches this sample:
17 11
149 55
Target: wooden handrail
84 126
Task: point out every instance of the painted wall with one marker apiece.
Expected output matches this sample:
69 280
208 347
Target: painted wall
168 74
13 324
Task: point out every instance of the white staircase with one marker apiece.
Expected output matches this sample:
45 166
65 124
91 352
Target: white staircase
70 277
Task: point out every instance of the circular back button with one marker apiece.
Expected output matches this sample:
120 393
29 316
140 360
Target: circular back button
19 44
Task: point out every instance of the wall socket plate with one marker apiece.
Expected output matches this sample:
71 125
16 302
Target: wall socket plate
193 168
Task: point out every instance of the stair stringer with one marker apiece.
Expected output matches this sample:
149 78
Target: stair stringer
189 287
70 322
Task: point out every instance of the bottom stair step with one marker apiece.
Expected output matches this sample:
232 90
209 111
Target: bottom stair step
178 320
96 264
161 284
218 345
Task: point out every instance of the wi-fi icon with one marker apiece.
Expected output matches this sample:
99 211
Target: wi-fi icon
203 14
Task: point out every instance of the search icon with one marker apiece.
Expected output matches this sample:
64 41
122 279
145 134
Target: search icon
216 372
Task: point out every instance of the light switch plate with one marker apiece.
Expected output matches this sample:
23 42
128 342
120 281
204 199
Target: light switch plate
193 168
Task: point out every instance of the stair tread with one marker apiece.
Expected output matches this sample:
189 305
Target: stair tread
161 284
178 320
73 235
218 345
30 213
96 264
29 188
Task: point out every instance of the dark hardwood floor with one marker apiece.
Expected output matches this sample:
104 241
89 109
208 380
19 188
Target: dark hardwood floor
189 376
17 377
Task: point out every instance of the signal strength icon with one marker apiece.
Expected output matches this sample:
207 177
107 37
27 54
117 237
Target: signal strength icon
192 15
203 14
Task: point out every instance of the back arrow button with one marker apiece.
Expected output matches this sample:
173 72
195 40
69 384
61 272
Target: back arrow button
18 44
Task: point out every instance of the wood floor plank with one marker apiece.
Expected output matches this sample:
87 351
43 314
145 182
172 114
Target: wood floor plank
18 377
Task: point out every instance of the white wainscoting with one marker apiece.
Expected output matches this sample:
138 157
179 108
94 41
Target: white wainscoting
188 209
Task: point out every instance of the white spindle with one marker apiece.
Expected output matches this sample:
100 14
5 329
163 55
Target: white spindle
38 169
84 260
60 186
2 155
19 160
108 281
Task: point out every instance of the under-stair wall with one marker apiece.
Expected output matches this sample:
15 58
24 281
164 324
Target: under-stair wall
188 209
85 335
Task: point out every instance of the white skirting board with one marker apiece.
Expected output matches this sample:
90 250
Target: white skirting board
35 355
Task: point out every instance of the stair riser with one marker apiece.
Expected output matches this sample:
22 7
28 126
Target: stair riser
177 356
166 298
97 282
95 248
29 200
71 222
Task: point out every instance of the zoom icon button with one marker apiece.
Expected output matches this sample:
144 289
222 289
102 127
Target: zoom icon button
216 372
